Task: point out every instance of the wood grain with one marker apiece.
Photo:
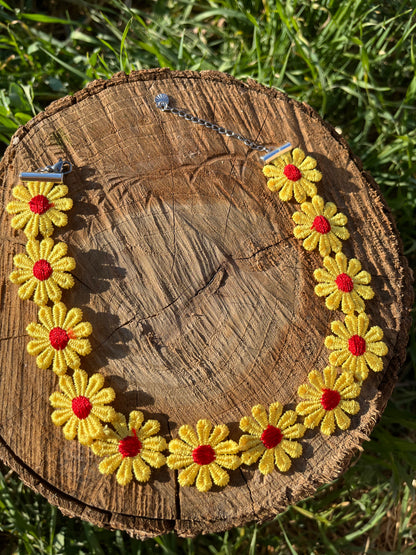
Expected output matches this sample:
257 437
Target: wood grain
200 297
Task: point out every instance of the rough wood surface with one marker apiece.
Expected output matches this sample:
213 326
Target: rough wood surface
200 297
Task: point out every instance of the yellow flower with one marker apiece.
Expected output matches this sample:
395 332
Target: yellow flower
44 271
328 398
355 348
203 455
271 438
59 337
130 449
81 406
319 223
343 282
292 174
39 207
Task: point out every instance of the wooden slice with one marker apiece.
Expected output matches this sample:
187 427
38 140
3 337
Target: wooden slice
201 299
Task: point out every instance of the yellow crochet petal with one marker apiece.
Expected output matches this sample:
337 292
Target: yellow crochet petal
64 280
228 461
56 218
20 220
45 225
154 443
325 244
339 329
373 361
45 358
84 329
71 428
51 291
179 447
311 242
153 458
203 428
219 433
314 418
60 401
109 464
298 156
59 365
106 414
149 428
66 385
328 423
330 376
136 420
307 407
343 422
248 442
362 324
248 424
203 480
188 435
105 396
95 383
275 412
352 407
26 290
80 381
228 447
73 317
253 454
316 380
141 470
58 251
187 476
294 432
332 302
89 429
266 465
104 448
178 461
286 191
260 414
287 419
374 334
124 473
59 417
41 294
58 315
219 475
292 448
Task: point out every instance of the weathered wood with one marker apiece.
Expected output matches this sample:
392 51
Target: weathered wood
200 297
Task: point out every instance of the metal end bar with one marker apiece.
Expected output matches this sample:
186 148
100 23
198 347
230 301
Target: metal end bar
276 152
42 176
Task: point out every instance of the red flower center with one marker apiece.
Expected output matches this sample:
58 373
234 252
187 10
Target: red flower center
130 446
39 204
292 172
81 407
58 338
344 283
330 399
203 454
271 437
42 270
356 345
321 225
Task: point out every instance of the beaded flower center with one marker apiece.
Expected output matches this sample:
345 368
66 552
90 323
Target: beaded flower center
130 446
292 172
203 454
321 225
356 345
330 399
39 204
42 270
344 283
81 407
58 338
271 437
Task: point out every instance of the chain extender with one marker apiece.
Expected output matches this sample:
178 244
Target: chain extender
162 102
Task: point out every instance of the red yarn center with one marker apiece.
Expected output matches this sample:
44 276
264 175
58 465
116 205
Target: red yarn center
271 437
81 407
203 454
58 338
321 225
330 399
344 283
292 172
130 446
356 345
39 204
42 270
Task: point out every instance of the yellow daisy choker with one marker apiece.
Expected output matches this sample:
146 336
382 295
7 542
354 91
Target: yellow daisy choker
130 446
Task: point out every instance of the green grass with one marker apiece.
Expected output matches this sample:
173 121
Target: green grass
354 61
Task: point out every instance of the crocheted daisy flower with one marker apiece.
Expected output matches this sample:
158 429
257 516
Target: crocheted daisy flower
293 174
342 281
319 223
355 348
59 337
203 455
130 449
39 207
81 406
271 438
44 271
328 397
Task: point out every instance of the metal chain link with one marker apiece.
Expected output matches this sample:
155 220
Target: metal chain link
162 102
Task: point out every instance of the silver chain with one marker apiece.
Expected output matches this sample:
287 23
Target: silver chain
162 102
